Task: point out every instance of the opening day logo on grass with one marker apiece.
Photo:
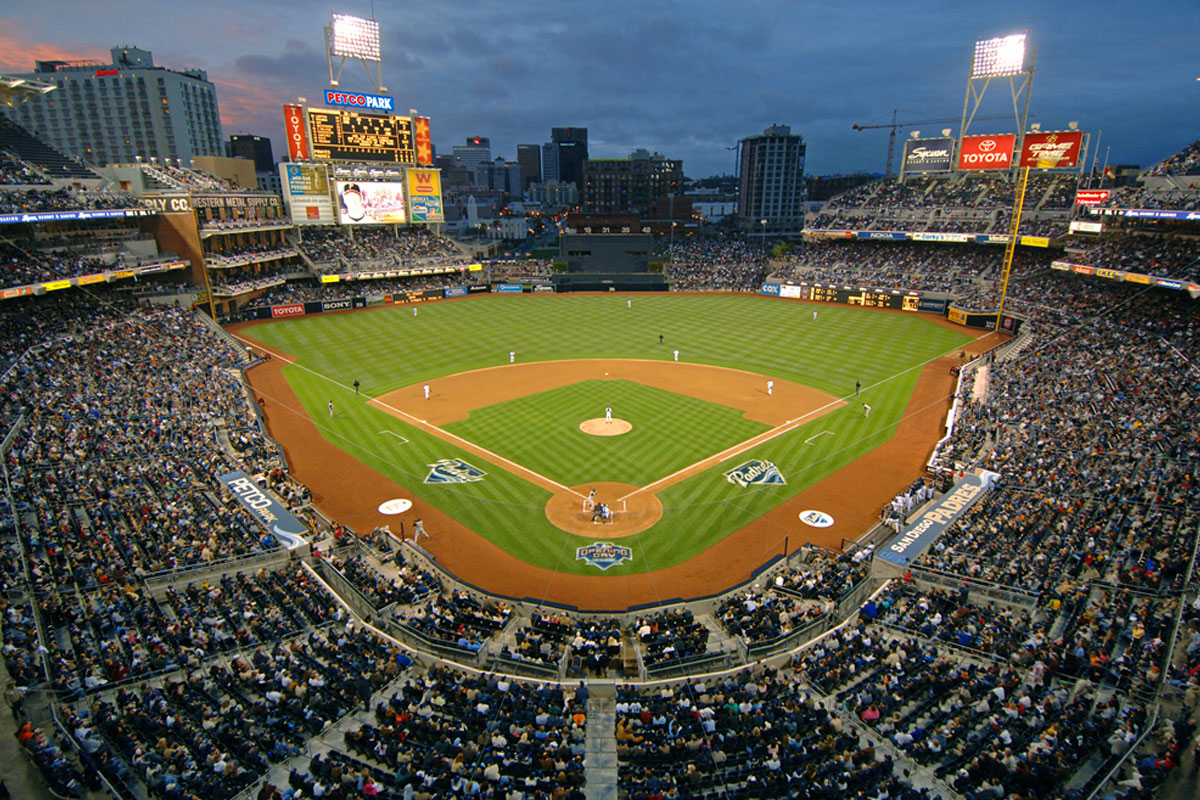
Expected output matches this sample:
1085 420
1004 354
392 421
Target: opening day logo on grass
603 555
756 472
453 470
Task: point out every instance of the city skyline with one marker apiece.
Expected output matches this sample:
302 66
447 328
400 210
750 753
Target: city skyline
687 81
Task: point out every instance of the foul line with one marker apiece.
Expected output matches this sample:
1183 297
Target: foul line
810 439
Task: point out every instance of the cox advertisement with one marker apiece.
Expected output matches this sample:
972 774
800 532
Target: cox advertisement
425 195
370 203
928 155
306 188
987 152
1053 150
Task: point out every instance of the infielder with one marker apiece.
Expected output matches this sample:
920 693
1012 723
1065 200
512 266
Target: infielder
427 391
770 387
866 411
676 355
608 414
512 356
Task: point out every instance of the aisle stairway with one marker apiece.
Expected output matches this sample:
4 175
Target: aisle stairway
600 756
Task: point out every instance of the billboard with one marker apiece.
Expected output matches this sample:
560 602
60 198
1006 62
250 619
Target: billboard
1053 150
372 102
987 152
367 203
425 195
927 155
297 132
1091 197
351 136
423 141
306 189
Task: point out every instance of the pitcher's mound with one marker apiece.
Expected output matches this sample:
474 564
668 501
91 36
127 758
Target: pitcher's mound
598 427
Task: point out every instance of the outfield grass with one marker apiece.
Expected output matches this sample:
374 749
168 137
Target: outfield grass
388 348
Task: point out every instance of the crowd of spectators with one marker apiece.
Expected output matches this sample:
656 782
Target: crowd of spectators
243 223
253 254
334 249
457 618
15 172
410 584
733 265
66 199
593 642
1185 162
670 636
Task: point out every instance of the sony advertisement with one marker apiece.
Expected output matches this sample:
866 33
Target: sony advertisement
371 203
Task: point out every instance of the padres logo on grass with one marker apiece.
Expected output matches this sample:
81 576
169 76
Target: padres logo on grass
453 470
603 555
756 472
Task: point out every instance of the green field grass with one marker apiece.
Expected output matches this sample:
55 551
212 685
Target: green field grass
388 348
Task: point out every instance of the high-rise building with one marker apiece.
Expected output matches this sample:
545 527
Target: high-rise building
255 148
529 156
772 182
550 163
477 151
572 146
629 185
115 113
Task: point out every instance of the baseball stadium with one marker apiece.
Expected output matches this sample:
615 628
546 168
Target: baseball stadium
313 492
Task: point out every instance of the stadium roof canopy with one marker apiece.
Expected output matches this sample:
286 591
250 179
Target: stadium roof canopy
15 91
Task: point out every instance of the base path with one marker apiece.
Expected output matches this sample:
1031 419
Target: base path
350 493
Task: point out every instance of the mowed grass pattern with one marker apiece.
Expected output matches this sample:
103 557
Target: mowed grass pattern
670 432
388 348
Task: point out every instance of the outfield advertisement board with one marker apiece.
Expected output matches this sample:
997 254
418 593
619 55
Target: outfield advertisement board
897 235
306 191
770 288
370 203
987 152
927 155
1091 197
456 291
509 288
72 216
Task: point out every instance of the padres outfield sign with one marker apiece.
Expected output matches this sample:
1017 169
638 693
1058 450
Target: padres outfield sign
755 472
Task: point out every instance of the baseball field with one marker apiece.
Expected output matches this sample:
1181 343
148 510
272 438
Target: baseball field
705 469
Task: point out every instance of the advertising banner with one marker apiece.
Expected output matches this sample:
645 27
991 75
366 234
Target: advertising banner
306 188
940 237
425 195
509 288
991 238
264 508
1035 241
1159 213
882 235
297 132
927 155
1091 197
1079 226
794 292
71 216
770 288
543 288
371 102
931 304
456 291
1052 150
928 526
369 203
957 316
422 141
336 305
987 152
291 310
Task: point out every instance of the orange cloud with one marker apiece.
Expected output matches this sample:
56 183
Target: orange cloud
17 53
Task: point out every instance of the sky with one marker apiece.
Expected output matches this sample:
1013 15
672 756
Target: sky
686 79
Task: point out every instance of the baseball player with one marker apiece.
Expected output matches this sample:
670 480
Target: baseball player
589 502
414 311
814 316
770 387
857 386
629 304
608 414
866 411
427 391
419 530
676 355
512 356
331 409
356 386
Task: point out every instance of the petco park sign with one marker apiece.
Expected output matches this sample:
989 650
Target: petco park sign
987 152
372 102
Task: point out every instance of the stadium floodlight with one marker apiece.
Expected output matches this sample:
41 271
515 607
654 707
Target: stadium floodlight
355 37
1000 57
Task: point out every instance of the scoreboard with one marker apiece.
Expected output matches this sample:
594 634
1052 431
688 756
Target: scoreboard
352 136
866 298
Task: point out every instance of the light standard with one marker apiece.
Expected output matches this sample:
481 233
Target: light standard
671 249
764 238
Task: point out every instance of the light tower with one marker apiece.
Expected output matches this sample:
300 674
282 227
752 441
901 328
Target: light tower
357 38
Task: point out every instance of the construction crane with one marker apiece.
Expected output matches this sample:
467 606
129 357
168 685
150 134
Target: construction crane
896 124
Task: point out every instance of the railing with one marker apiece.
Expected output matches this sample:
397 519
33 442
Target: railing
1008 594
347 590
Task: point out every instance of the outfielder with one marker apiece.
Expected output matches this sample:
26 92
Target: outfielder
331 409
512 356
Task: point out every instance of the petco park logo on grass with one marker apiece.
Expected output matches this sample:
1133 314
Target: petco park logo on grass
453 470
756 472
603 555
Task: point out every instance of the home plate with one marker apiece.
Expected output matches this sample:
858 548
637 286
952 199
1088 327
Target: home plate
397 505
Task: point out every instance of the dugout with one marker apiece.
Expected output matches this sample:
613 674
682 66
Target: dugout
610 282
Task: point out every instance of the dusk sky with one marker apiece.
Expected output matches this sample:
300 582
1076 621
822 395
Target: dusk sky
686 79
